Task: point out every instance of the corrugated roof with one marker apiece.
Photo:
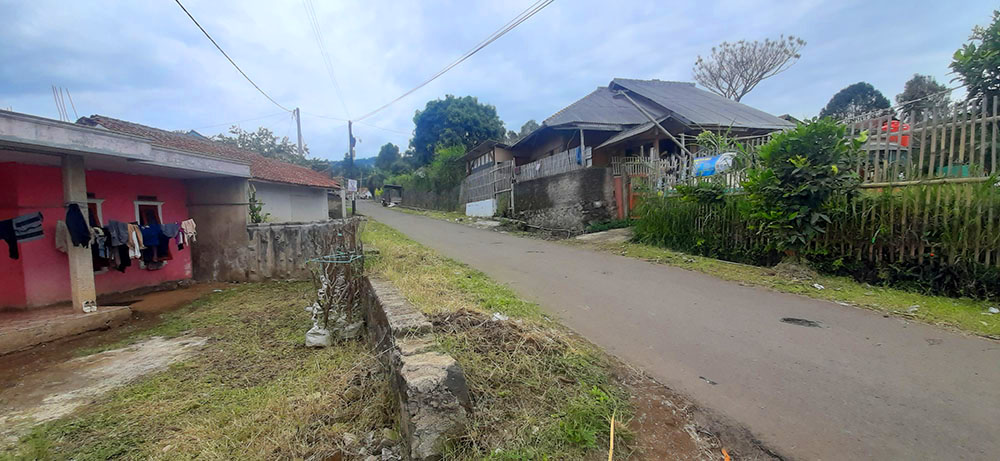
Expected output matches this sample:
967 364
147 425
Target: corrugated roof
263 168
600 107
699 107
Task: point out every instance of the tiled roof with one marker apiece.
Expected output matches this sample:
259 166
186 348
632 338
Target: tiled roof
263 168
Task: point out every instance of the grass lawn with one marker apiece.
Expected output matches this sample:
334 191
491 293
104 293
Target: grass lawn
255 392
961 313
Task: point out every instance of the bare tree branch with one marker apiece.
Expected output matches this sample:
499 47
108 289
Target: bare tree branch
734 69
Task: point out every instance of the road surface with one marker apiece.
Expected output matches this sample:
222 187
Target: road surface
860 386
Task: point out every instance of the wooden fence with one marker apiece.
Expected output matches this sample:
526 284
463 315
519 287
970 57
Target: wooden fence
487 183
562 162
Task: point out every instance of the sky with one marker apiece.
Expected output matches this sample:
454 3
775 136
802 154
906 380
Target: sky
146 62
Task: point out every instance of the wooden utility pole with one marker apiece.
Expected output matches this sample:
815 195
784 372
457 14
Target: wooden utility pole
298 126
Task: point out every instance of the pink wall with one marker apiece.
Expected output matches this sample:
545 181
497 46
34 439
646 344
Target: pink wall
45 278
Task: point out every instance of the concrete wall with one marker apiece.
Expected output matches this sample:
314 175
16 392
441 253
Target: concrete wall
219 208
269 251
481 208
41 275
569 200
288 203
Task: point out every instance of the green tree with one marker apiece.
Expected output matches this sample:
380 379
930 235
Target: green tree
977 63
387 156
855 100
266 143
453 121
797 173
526 129
921 93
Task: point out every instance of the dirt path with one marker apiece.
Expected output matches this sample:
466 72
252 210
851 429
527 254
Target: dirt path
858 386
56 391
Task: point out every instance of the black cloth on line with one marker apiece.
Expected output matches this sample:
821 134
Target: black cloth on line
79 231
7 234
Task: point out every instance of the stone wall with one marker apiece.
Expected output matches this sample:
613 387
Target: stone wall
430 387
268 251
219 208
445 200
570 200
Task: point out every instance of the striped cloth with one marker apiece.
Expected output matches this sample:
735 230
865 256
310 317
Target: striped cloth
28 227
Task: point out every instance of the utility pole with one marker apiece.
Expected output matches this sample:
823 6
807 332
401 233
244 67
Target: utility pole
350 154
298 126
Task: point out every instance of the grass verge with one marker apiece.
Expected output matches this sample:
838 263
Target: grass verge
539 392
255 392
962 313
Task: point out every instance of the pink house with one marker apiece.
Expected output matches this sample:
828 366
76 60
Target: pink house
118 171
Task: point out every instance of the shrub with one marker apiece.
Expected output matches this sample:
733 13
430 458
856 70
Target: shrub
797 173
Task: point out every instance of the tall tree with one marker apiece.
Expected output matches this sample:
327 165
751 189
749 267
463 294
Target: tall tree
266 143
734 69
451 122
855 100
387 155
526 129
977 63
920 93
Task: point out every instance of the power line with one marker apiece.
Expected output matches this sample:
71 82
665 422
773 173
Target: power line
239 121
524 16
321 43
230 59
360 123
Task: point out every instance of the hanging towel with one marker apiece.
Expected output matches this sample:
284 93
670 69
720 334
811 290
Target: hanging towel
7 234
190 235
28 227
79 231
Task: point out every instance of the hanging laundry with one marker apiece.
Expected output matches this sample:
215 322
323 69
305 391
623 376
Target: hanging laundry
134 242
189 230
28 227
79 231
24 228
118 231
7 234
62 237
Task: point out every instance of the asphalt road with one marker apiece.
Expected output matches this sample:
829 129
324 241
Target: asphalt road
860 386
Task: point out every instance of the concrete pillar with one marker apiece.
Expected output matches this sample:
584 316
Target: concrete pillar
81 265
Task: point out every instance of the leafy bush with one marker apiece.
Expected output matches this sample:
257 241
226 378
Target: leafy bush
797 173
608 225
704 192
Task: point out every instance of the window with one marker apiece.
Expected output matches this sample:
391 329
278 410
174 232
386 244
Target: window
95 214
148 212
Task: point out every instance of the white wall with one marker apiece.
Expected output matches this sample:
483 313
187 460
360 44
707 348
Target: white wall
482 208
288 203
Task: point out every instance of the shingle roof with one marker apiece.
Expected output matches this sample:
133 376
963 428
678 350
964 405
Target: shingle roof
263 168
600 107
699 107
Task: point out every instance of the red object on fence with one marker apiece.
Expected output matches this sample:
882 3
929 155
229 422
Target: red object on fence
894 127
